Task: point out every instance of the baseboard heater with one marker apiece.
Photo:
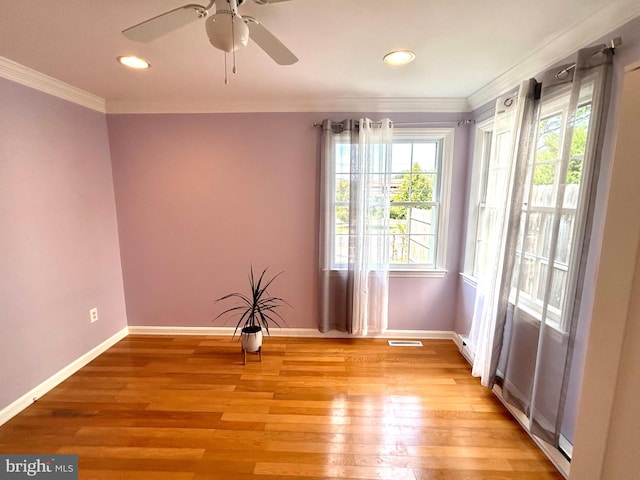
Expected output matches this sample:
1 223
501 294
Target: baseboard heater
405 343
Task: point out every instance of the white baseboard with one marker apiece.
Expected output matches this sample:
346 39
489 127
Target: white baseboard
553 454
32 395
459 340
462 341
566 446
291 332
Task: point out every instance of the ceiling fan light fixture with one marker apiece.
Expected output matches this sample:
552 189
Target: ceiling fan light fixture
132 61
227 36
399 57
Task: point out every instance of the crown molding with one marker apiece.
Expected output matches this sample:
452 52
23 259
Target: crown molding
39 81
588 30
371 104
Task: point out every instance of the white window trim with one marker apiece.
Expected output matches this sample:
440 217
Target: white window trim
556 319
446 137
431 273
481 155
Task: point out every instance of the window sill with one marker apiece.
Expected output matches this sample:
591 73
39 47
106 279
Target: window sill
533 318
417 273
469 280
402 273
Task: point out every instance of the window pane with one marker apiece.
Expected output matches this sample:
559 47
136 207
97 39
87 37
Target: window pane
398 248
497 179
376 188
548 146
341 219
342 188
422 249
528 277
543 195
422 187
425 155
531 246
503 150
341 249
413 186
343 158
571 196
376 219
578 144
565 237
538 294
487 218
422 220
545 233
412 238
400 157
558 283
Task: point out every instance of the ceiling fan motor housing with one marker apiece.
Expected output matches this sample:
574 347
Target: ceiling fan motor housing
226 31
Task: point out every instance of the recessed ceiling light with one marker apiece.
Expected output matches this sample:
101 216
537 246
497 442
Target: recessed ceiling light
399 57
134 62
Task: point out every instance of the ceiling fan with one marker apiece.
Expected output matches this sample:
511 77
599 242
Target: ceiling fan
226 28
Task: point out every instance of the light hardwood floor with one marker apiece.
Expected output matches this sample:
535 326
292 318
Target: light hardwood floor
184 408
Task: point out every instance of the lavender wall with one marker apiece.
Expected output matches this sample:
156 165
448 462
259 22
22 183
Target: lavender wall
202 196
59 253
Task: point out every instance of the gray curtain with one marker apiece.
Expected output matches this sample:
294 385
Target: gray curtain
354 220
547 231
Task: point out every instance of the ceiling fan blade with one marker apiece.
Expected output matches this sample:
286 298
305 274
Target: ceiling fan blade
269 43
164 23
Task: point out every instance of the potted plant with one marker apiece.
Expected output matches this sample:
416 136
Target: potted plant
257 311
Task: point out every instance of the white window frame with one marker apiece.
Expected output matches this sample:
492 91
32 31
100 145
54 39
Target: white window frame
444 137
442 195
488 149
532 304
481 161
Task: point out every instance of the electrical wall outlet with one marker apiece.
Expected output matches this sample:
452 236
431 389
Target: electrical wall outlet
93 314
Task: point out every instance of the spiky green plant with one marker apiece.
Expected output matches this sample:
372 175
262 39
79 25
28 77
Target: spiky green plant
258 309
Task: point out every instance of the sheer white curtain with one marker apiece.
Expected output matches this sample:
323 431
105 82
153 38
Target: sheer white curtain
491 226
526 317
354 220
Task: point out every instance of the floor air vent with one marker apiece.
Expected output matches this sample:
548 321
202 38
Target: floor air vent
405 343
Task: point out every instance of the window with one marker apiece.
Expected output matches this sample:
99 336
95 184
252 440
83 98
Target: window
492 159
412 196
548 186
476 243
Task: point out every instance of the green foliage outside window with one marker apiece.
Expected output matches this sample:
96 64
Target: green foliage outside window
549 149
415 187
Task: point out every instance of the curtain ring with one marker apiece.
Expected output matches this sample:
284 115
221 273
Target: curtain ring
564 73
508 102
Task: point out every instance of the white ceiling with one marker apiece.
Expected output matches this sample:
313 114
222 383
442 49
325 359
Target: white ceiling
467 52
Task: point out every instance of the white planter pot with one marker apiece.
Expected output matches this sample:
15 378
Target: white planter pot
251 342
